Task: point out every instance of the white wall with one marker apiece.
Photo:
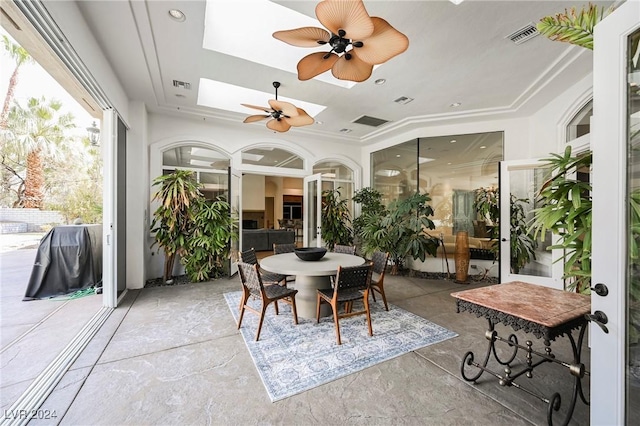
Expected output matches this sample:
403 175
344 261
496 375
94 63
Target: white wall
138 255
253 192
548 125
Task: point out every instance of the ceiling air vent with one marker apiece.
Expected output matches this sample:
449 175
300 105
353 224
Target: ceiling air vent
525 33
181 84
403 100
370 121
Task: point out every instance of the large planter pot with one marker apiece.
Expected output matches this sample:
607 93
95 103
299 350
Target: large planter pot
461 257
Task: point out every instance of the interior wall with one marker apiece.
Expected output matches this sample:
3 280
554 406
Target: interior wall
137 165
253 192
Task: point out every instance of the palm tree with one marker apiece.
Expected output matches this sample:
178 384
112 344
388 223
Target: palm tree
21 57
36 131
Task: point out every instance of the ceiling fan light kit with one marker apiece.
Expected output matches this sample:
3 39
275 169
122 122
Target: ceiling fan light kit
357 40
284 115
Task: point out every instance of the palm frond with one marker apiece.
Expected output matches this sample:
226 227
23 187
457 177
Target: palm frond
572 26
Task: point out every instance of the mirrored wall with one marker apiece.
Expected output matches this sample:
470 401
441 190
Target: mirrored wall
448 168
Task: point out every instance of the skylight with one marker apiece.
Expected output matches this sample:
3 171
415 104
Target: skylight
216 94
244 29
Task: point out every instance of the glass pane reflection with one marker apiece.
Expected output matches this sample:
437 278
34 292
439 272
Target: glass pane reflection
633 185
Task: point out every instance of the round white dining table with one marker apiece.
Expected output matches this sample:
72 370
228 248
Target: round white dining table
310 276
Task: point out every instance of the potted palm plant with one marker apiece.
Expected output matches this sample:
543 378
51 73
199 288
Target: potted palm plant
565 210
172 219
336 219
398 229
207 250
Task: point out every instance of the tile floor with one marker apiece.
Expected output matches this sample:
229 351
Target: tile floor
172 355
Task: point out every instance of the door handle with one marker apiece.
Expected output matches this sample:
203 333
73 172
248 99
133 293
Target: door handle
600 319
600 289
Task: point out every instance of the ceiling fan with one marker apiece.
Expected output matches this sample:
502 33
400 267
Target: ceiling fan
283 115
358 41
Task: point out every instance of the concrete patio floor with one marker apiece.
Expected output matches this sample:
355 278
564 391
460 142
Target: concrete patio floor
173 355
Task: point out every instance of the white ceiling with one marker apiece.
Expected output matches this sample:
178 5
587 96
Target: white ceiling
456 54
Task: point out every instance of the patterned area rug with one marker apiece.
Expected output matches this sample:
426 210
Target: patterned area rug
295 358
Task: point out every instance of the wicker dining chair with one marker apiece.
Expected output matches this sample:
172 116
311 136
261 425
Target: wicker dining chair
253 286
352 284
249 256
285 248
379 260
338 248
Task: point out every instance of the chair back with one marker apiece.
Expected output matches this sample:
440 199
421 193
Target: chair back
283 248
248 256
353 277
344 249
250 277
380 259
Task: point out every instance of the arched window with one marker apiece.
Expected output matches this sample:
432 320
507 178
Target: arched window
272 157
210 167
336 175
580 124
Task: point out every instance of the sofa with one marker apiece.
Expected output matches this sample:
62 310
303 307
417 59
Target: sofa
264 239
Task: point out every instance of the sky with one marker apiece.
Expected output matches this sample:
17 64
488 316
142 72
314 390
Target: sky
34 81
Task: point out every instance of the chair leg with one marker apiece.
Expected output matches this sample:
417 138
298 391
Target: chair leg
243 301
334 307
293 308
262 312
384 297
275 303
366 308
373 294
319 301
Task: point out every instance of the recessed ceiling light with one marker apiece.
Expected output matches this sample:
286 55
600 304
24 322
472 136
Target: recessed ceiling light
180 95
177 15
453 141
398 155
482 147
345 130
319 122
455 104
380 81
448 164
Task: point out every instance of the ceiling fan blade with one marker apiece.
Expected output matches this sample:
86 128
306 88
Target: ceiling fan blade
303 37
385 43
286 108
353 69
315 64
347 15
278 125
254 118
302 119
265 109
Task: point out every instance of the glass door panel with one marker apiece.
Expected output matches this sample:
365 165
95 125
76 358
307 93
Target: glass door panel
312 236
633 229
235 191
520 182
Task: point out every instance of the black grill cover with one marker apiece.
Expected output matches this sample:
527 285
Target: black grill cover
69 259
